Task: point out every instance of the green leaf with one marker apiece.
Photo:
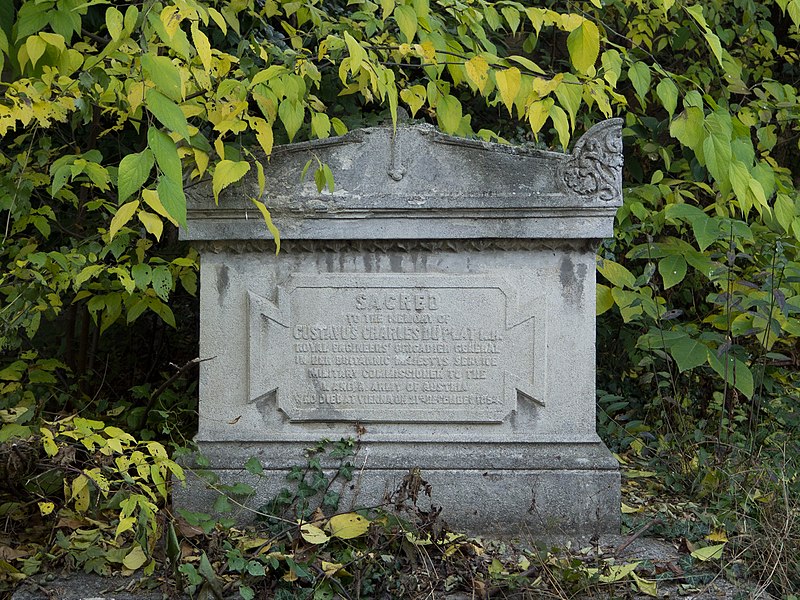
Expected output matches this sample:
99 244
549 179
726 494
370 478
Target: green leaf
561 124
734 371
740 182
612 66
406 18
639 74
121 218
134 169
291 113
254 466
614 272
164 74
357 52
672 270
142 274
687 127
689 353
226 173
717 147
168 113
162 282
166 154
448 113
173 199
706 231
583 44
667 92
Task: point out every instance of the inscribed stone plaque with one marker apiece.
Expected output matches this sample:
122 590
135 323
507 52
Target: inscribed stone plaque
397 348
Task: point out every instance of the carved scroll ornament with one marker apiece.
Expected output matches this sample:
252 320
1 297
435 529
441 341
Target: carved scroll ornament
595 168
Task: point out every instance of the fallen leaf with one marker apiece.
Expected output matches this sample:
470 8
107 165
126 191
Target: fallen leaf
314 535
135 559
709 552
347 526
717 536
646 586
628 510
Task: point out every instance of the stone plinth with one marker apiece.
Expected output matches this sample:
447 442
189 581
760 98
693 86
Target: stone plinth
439 305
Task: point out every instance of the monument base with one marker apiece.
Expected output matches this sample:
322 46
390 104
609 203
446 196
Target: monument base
514 490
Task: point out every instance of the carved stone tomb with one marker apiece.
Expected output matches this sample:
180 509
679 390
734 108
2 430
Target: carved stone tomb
438 305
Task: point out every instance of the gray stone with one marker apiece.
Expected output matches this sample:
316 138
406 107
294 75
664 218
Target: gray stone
439 305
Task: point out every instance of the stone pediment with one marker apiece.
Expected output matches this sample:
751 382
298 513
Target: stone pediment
404 184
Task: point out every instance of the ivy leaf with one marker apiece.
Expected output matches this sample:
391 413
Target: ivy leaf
226 173
508 84
122 216
168 113
134 169
448 113
583 44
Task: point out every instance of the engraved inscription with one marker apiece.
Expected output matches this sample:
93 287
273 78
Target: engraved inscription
398 353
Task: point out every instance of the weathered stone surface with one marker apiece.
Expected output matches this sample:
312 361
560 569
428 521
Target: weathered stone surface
429 306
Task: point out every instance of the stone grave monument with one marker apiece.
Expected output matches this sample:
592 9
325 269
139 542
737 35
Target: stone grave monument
439 305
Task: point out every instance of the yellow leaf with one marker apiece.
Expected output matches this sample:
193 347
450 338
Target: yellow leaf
314 535
583 44
46 507
645 586
508 83
135 558
171 18
125 524
418 541
152 200
618 572
226 173
717 536
124 214
708 552
332 569
276 235
348 526
35 47
203 47
152 223
477 71
629 510
80 493
263 133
